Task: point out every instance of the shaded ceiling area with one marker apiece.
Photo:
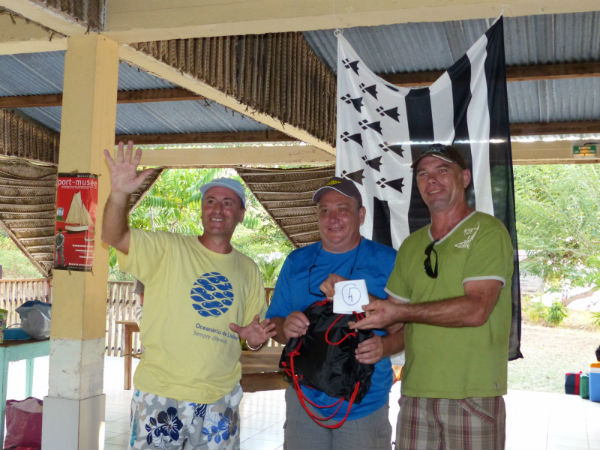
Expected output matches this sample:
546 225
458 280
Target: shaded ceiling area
252 85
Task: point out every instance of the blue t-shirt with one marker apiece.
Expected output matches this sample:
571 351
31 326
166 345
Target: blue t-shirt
298 287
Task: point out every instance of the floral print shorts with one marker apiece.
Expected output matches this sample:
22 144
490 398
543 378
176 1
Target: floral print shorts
164 423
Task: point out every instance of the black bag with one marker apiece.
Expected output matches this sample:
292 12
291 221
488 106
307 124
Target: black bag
324 358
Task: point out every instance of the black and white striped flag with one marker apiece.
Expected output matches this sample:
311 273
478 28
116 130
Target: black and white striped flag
381 128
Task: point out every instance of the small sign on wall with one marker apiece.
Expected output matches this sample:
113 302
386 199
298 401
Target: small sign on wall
76 205
587 150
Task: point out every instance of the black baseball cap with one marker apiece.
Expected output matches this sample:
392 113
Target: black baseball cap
342 185
444 152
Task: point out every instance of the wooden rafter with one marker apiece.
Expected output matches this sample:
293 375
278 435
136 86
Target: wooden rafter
538 129
531 72
205 138
138 96
516 129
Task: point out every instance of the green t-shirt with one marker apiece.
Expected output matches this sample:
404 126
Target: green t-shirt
191 296
445 362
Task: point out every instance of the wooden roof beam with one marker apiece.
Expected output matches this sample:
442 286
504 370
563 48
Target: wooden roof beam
516 129
272 155
553 128
206 137
532 72
138 96
18 35
49 18
145 20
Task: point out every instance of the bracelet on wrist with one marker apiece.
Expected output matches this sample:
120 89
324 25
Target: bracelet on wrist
254 349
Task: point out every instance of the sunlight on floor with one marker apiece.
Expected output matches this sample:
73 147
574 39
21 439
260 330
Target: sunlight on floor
536 421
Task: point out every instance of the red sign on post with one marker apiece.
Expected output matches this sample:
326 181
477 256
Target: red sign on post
76 204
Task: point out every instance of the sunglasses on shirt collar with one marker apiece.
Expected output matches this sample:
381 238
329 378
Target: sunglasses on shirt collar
431 271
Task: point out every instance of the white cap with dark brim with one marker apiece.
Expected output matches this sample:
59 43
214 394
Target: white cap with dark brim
228 183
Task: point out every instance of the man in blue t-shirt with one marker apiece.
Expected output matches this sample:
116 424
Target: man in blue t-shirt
343 252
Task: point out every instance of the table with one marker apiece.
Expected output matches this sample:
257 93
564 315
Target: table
16 351
129 327
260 370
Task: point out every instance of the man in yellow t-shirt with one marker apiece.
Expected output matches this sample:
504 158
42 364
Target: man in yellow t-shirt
201 296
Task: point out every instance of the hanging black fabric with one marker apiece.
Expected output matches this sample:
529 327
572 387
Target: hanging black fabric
324 358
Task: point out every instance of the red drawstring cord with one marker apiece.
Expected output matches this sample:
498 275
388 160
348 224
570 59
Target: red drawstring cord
357 316
313 416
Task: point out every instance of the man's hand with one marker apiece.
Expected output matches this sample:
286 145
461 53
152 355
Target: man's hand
295 325
370 351
328 286
256 333
379 314
124 178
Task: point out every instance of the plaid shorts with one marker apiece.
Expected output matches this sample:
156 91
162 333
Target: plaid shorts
444 424
167 424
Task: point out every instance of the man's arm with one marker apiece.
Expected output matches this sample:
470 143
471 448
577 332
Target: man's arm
123 181
115 230
470 310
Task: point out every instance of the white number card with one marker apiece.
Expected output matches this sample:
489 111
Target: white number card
350 296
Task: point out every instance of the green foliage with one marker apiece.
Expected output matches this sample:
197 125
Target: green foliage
533 310
270 269
558 223
556 314
174 204
596 318
14 263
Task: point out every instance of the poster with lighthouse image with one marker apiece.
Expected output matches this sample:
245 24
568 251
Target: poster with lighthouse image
76 205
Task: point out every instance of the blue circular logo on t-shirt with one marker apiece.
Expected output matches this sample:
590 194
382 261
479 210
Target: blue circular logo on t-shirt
212 294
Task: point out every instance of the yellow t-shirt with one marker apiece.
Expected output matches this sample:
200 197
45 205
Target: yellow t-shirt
191 296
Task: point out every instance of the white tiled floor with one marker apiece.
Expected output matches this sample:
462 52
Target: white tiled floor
536 421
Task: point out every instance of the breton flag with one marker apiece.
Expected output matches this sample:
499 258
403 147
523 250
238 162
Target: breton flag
381 128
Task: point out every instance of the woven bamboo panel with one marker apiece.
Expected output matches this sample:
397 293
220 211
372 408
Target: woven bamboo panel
88 12
277 74
24 138
286 194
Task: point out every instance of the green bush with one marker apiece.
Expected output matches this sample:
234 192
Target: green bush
533 310
596 318
556 314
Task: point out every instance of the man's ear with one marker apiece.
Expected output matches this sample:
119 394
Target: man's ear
466 173
361 214
242 214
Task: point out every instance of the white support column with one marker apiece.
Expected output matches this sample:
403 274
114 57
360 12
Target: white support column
74 409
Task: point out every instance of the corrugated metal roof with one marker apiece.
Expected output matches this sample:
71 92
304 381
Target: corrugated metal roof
162 117
554 100
528 40
42 73
181 117
31 73
386 49
411 47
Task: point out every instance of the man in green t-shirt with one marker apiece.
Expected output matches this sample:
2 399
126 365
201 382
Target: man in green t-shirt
455 302
197 290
